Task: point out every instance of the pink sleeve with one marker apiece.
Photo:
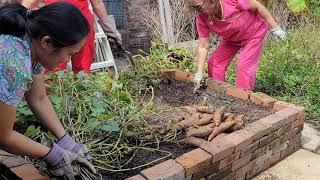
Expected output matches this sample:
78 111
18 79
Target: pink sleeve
202 27
243 4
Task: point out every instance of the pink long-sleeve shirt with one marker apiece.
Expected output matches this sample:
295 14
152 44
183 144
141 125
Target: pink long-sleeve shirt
239 23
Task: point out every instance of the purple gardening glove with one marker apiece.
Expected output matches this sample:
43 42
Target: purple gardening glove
68 143
109 27
62 163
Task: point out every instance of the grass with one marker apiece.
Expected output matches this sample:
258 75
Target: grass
290 70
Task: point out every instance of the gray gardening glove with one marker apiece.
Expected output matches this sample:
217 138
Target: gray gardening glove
197 81
279 33
68 143
62 163
109 27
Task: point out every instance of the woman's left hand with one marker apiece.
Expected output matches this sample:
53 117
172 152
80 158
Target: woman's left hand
280 33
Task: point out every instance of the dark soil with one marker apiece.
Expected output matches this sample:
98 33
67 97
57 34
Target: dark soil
174 93
144 157
171 95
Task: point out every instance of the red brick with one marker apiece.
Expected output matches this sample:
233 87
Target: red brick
249 149
264 157
28 172
238 93
240 139
219 149
262 99
137 177
231 176
274 144
259 152
280 105
12 160
297 123
283 130
243 170
229 160
273 159
286 152
220 174
241 162
265 140
258 129
166 171
183 75
219 86
194 161
211 169
280 118
280 148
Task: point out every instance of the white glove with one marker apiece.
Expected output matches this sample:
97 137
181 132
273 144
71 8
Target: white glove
197 81
109 27
278 32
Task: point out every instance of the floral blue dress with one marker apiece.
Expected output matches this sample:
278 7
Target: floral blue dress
16 69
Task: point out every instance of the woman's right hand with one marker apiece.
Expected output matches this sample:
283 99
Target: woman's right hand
197 81
62 163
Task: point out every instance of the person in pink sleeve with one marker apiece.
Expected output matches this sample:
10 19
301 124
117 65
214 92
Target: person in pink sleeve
242 26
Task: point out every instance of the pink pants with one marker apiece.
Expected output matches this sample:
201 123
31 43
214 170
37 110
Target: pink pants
247 64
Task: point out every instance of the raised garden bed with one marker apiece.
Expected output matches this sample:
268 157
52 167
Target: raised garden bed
273 133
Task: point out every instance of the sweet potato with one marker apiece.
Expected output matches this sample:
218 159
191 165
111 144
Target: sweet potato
206 109
188 121
193 141
204 120
240 122
202 131
220 129
217 116
190 110
230 117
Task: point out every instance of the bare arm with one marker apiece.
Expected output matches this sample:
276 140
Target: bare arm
263 12
14 142
99 8
42 107
203 50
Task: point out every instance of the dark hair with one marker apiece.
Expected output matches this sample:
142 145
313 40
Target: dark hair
63 22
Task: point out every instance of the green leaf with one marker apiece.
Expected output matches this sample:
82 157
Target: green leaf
111 126
91 124
297 6
124 97
32 131
25 111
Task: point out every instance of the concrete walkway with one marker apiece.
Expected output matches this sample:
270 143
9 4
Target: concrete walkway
301 165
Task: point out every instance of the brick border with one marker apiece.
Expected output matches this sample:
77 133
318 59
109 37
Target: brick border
243 153
20 167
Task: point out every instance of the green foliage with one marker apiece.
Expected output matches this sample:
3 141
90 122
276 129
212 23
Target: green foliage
297 5
98 112
290 70
147 69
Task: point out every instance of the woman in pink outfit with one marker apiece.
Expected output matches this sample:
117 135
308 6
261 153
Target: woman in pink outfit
242 26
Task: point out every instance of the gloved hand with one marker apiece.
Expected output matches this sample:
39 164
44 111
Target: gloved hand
280 33
109 27
68 143
62 163
197 81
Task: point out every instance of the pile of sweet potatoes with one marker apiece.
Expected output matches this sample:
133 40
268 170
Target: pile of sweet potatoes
207 122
